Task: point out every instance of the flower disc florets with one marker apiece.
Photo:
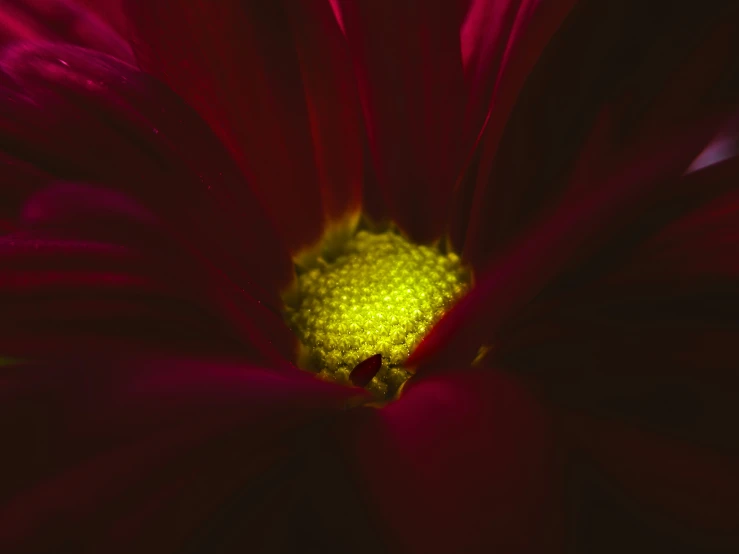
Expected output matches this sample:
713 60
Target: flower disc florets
380 296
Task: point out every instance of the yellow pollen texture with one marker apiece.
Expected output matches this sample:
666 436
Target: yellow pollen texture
381 296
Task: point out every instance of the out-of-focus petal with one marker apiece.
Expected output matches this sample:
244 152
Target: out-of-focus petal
139 456
646 329
644 334
88 270
20 179
81 115
77 296
274 81
427 73
583 222
690 490
461 463
723 147
606 61
59 21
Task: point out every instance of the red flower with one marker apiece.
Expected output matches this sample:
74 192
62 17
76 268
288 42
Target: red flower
149 399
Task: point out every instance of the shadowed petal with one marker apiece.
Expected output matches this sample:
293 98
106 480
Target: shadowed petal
427 72
461 463
641 341
82 297
273 80
84 116
646 329
616 73
698 237
20 179
138 456
691 490
584 221
89 270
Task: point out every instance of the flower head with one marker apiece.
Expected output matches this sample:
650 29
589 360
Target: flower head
198 198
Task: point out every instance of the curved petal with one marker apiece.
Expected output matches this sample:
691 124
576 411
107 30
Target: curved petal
585 220
698 235
461 463
20 179
59 21
274 82
79 296
681 242
723 147
89 270
616 73
138 456
641 340
84 116
427 72
690 490
646 330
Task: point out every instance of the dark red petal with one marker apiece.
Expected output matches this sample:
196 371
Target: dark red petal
583 222
138 456
59 21
91 271
651 69
673 86
84 211
84 116
642 338
427 72
274 82
692 488
698 238
682 244
461 463
62 296
20 179
646 329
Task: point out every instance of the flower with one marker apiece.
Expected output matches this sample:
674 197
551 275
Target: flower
150 400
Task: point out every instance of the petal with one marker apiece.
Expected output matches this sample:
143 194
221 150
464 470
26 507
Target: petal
90 271
723 147
614 74
646 329
641 341
59 21
427 73
690 491
81 297
583 222
461 463
275 84
138 456
698 234
682 245
20 179
84 116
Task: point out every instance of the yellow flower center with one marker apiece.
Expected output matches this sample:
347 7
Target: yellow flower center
380 296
